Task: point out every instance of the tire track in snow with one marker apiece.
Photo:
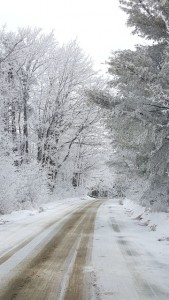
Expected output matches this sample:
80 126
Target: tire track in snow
11 252
143 287
43 277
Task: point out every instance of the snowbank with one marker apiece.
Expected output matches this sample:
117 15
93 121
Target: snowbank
155 221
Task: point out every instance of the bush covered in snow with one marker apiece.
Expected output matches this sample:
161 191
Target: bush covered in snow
21 188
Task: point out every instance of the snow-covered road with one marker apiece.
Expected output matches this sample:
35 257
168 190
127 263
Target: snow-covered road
128 261
49 263
81 250
20 228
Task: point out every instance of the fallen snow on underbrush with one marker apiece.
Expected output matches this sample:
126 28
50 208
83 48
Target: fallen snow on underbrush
155 221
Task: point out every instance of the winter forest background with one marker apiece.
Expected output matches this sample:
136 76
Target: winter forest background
65 130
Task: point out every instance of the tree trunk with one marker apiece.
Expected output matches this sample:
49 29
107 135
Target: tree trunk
13 123
25 126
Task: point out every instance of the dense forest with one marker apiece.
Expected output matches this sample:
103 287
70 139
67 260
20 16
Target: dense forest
138 106
50 133
64 128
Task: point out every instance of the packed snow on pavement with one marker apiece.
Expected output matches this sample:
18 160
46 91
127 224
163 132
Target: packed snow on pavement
130 257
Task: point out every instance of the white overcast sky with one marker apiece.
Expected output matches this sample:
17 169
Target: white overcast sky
98 25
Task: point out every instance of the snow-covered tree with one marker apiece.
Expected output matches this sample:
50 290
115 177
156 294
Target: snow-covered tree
140 105
137 106
48 127
148 18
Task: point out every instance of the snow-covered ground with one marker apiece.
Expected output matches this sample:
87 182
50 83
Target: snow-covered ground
130 255
155 221
128 260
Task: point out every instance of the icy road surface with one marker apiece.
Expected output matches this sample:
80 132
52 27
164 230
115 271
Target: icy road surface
84 250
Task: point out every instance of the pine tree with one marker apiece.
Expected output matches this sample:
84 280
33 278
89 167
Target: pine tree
150 18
